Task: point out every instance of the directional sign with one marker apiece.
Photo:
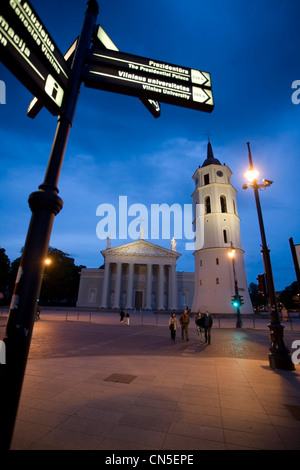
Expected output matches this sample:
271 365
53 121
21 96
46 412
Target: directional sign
141 77
36 104
29 52
156 68
104 40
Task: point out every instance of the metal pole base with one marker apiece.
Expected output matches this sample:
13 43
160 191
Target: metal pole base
278 361
279 357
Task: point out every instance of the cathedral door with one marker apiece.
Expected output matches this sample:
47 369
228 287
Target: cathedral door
138 299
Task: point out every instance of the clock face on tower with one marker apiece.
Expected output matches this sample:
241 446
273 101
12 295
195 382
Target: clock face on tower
219 173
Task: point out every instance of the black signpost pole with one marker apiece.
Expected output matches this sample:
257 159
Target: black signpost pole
44 204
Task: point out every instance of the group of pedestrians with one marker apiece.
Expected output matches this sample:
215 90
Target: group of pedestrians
203 324
124 317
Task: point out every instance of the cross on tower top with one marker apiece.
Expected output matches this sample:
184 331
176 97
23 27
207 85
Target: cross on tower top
208 135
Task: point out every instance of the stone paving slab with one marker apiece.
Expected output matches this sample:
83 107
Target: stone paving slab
182 396
196 404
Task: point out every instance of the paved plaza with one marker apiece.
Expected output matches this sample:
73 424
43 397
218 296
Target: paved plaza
94 384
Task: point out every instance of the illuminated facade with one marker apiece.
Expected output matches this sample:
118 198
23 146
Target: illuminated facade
143 275
137 275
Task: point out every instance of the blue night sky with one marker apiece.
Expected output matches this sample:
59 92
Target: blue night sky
117 148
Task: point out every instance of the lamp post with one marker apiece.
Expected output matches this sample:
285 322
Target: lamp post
279 357
45 204
239 323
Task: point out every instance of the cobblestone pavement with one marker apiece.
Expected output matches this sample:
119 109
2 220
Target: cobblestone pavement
94 384
61 334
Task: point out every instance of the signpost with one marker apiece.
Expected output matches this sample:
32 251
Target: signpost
45 204
29 52
137 76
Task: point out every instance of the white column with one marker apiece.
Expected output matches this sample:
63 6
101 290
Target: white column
160 303
149 287
105 286
170 289
129 286
173 290
118 286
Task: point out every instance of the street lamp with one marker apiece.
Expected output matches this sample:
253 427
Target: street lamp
279 357
236 300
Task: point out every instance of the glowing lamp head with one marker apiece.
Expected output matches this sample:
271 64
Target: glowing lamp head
47 261
251 175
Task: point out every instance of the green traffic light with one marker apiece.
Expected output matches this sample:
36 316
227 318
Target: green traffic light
235 301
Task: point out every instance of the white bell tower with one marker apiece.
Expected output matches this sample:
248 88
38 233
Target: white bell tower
216 273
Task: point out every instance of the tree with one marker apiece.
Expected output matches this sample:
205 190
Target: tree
289 297
4 275
60 281
256 298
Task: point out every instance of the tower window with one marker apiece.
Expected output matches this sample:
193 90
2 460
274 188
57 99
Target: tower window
234 209
225 238
223 204
217 260
207 205
206 179
217 280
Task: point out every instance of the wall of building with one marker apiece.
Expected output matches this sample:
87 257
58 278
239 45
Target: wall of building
91 284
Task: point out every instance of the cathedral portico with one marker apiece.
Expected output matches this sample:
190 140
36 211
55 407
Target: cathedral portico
139 275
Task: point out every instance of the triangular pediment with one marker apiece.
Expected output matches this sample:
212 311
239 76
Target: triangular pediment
140 248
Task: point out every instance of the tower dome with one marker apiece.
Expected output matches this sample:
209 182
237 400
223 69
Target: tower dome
210 159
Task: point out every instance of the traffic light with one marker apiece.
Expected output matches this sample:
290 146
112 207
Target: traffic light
262 285
235 301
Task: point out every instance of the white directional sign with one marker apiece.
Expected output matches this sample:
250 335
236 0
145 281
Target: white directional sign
29 52
138 76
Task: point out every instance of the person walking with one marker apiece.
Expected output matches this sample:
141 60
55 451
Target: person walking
199 325
173 325
184 322
122 315
127 318
207 324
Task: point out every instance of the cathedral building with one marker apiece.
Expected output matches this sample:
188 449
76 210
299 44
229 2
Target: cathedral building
138 275
143 275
